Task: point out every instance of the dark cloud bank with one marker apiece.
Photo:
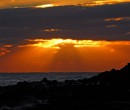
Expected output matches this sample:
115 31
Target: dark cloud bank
75 22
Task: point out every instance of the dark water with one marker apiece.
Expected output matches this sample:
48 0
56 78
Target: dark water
13 78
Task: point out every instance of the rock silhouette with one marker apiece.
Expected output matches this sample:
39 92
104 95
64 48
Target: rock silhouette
108 90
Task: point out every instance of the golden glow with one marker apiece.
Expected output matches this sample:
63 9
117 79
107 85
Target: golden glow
117 19
4 49
96 3
89 2
114 19
103 2
53 43
45 6
7 46
90 43
51 30
59 43
51 3
64 55
112 26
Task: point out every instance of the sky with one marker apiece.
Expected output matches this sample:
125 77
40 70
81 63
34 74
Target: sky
64 36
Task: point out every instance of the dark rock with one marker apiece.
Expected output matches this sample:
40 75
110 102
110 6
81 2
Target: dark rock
108 90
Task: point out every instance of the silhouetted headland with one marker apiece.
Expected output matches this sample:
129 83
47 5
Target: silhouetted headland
108 90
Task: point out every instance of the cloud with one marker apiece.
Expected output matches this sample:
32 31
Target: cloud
112 26
29 3
117 19
4 49
51 30
24 30
59 43
128 33
72 22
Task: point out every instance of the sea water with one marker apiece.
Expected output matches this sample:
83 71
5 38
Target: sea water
13 78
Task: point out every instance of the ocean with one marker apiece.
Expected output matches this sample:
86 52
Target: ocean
13 78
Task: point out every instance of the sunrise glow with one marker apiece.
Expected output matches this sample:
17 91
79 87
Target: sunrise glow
59 43
64 55
64 35
106 2
50 3
45 6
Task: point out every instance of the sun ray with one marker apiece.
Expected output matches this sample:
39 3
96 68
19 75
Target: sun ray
62 55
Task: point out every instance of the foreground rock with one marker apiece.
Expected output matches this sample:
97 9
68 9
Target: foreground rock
108 90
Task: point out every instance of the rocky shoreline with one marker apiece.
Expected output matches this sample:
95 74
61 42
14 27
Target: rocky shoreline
108 90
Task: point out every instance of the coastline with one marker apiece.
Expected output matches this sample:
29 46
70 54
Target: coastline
108 90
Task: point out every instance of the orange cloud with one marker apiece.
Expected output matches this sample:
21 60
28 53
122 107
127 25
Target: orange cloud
103 2
4 49
44 3
128 33
112 26
117 19
113 19
51 30
44 6
7 46
58 43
